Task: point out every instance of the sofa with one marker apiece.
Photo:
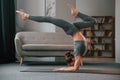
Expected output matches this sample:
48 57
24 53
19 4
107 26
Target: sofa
42 44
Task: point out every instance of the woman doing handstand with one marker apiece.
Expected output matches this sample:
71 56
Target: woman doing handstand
73 60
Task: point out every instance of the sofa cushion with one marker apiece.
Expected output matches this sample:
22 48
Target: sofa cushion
45 38
38 47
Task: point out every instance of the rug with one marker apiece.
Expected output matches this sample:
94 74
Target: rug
93 71
95 68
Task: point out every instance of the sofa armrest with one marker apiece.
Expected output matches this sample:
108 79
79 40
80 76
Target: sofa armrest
18 45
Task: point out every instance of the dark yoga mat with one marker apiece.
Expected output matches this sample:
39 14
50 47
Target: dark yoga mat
94 71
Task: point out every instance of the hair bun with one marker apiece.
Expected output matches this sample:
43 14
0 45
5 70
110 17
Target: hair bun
68 53
68 57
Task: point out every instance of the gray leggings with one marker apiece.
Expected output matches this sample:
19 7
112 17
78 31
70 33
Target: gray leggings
69 28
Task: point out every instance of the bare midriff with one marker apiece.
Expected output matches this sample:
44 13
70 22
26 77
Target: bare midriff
78 36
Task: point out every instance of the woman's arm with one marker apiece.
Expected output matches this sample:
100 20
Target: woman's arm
66 69
78 62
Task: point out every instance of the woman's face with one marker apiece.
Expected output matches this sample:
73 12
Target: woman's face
71 63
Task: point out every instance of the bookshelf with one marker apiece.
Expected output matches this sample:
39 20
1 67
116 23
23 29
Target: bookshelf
100 37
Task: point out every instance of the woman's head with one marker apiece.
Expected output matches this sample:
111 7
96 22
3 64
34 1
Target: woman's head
69 58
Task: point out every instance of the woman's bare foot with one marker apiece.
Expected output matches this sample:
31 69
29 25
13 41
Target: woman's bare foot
24 16
74 12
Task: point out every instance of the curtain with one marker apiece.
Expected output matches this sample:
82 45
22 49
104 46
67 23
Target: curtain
7 31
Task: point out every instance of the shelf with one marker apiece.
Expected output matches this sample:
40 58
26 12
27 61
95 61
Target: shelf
101 50
97 30
100 37
100 43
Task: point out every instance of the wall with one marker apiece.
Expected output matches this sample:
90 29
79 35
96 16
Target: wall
63 12
35 8
117 31
96 7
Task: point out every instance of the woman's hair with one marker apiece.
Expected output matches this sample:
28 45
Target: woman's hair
68 57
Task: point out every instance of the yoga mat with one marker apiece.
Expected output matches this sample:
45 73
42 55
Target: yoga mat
94 71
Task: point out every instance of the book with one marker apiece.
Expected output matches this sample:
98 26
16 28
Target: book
110 34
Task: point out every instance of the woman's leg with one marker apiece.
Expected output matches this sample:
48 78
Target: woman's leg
66 26
87 20
69 28
55 21
58 22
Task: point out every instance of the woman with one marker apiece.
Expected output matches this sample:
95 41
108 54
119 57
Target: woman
73 60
